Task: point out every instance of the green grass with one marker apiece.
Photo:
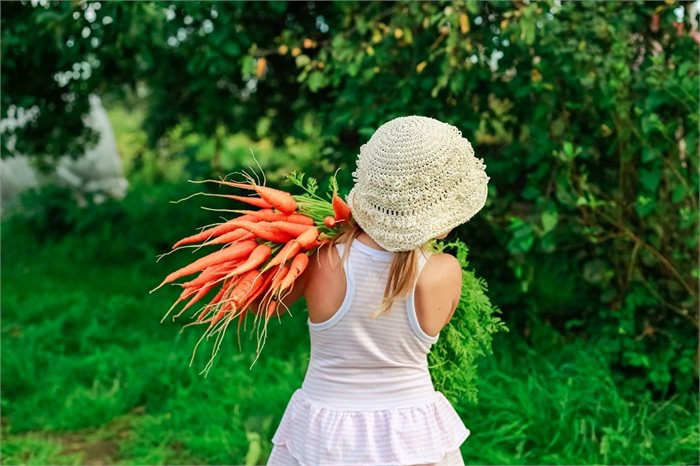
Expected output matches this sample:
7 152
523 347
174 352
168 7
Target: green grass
562 407
89 374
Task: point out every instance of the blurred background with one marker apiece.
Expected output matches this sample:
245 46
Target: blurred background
585 113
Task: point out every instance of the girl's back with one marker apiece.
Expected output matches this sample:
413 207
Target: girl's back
367 398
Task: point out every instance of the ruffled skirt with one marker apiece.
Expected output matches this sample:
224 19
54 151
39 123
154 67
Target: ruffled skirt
428 433
280 456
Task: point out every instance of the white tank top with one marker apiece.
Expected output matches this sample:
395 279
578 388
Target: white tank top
362 363
367 397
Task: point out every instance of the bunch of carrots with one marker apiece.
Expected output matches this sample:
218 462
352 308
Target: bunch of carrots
263 251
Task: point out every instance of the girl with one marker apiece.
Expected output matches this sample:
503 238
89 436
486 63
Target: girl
377 300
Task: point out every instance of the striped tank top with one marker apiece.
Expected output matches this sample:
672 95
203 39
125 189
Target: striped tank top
367 397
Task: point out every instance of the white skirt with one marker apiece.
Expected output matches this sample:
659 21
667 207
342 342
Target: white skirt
280 456
428 433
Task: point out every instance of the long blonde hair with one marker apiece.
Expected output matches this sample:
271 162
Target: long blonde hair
402 274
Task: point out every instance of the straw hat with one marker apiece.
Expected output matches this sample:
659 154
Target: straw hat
416 178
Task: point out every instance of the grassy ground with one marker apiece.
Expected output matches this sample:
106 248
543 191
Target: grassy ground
90 376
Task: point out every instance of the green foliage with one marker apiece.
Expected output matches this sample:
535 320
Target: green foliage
137 227
588 132
57 53
83 347
587 136
86 361
37 450
558 403
309 185
453 359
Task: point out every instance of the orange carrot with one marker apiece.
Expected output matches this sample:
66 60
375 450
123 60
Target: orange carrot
288 251
257 290
226 305
245 285
249 288
214 301
210 273
219 315
293 229
248 277
185 294
340 208
308 238
265 231
259 255
188 291
300 218
313 245
240 250
329 222
200 294
271 308
212 232
269 215
299 264
255 201
239 234
279 276
280 200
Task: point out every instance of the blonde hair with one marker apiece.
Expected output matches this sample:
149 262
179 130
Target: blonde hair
402 274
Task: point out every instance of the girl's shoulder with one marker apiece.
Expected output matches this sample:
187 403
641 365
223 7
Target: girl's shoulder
438 291
441 266
325 283
325 260
324 265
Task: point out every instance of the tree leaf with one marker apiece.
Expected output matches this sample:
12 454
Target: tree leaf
549 220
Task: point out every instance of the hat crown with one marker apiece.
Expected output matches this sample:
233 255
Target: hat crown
408 141
411 162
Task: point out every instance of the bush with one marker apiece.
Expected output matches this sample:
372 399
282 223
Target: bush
138 227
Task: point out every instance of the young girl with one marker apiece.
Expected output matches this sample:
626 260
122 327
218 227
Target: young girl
377 300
